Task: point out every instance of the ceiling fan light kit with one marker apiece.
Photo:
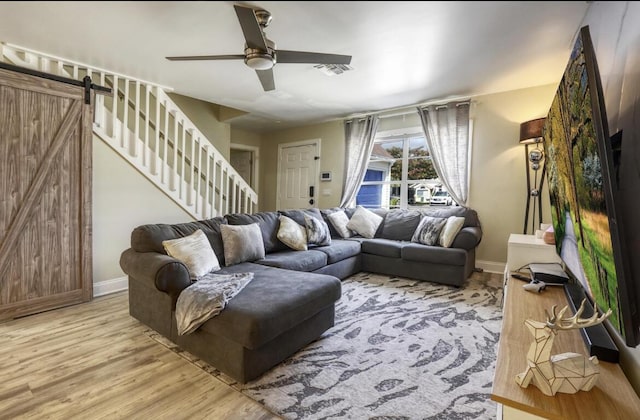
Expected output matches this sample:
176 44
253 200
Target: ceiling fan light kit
260 53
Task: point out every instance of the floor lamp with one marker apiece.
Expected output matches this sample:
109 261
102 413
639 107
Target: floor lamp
531 134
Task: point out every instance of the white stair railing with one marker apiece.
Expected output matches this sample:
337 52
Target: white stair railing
146 127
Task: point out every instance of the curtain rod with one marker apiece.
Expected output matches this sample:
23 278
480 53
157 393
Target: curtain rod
408 109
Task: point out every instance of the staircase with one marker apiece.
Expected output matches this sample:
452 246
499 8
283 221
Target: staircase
145 127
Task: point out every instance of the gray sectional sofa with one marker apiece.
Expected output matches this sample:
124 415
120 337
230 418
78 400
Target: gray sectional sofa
291 300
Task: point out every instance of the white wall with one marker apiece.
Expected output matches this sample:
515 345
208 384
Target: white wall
498 188
122 200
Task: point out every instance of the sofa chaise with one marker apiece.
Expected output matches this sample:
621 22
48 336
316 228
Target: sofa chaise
291 300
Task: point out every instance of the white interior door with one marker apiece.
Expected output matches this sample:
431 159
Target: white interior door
297 176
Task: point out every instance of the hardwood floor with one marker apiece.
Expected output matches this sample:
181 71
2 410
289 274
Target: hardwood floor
92 361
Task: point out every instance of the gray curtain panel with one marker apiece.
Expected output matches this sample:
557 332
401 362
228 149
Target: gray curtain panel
359 136
446 128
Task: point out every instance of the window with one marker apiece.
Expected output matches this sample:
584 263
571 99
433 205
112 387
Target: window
400 173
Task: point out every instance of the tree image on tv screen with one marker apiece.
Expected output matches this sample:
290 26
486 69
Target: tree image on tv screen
574 170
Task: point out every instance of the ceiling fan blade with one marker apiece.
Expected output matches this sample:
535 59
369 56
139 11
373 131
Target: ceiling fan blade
284 56
250 27
206 57
266 78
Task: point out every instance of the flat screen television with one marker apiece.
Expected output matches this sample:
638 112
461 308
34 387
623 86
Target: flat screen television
582 180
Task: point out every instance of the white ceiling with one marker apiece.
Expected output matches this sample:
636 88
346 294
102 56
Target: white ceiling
404 53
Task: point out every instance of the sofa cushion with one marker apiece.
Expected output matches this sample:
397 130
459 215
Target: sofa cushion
269 224
285 298
195 252
295 260
148 238
317 231
242 243
364 222
298 215
292 234
339 250
383 247
400 224
428 231
433 254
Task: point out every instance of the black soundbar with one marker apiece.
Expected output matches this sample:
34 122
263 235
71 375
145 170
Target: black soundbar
596 338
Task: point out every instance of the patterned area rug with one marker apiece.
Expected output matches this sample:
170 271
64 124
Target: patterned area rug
400 349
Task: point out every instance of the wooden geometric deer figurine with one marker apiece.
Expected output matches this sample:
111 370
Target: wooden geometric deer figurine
566 372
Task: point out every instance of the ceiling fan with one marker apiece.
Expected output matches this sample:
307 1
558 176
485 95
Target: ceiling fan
260 53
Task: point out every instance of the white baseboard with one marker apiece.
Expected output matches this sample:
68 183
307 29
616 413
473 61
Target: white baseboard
107 287
491 266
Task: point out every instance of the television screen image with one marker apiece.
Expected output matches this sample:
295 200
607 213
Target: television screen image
580 175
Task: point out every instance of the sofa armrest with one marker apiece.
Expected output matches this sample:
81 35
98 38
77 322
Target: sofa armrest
156 270
468 238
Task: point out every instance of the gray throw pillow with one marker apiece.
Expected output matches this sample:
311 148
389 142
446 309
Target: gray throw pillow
242 243
317 231
428 230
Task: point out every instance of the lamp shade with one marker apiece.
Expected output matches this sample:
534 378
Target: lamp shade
531 131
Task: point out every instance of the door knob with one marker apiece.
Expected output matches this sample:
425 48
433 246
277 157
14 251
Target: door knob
311 201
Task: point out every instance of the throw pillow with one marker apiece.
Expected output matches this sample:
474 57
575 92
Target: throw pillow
242 243
364 222
317 231
195 252
450 230
428 231
339 220
292 234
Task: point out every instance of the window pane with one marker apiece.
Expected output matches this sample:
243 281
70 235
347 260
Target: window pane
394 198
421 168
418 147
396 170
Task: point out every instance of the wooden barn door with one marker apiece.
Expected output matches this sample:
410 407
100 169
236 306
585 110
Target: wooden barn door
45 195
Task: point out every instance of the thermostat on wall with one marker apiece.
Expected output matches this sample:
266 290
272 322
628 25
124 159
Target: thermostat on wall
325 176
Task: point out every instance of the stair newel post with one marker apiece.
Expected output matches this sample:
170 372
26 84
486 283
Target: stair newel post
124 140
